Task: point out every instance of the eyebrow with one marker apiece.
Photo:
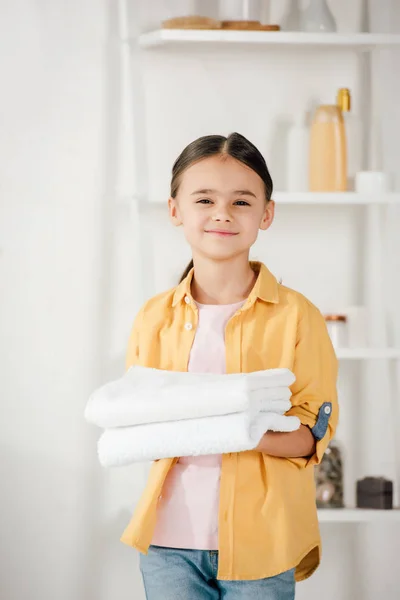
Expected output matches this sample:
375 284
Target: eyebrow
237 192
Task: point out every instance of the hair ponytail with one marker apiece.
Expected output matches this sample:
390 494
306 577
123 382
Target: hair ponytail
186 271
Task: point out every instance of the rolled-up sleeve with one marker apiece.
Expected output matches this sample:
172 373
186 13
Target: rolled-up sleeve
314 393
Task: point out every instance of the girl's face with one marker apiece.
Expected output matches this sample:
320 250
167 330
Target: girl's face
221 205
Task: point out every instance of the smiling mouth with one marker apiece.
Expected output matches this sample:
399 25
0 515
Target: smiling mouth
221 232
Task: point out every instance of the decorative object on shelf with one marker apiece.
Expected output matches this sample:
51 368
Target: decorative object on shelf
336 325
270 27
317 17
240 10
375 492
244 15
191 22
354 138
329 478
297 159
248 26
328 153
372 182
291 20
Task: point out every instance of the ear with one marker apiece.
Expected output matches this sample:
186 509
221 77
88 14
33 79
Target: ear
268 215
174 213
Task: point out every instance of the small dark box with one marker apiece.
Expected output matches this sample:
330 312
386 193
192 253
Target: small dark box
375 492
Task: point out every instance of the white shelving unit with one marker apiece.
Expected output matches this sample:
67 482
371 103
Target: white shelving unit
363 44
358 515
342 198
368 353
359 41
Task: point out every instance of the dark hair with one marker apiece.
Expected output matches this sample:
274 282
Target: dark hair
236 146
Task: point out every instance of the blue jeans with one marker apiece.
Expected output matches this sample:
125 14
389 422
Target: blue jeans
174 574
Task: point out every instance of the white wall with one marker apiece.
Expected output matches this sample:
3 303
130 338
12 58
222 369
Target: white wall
57 165
70 287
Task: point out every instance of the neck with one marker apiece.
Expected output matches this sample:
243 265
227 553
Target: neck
222 282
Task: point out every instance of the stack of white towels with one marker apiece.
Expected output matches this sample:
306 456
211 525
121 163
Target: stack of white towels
149 413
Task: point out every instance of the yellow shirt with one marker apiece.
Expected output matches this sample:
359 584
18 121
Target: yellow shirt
267 513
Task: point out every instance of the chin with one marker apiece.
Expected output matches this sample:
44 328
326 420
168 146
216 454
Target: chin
221 256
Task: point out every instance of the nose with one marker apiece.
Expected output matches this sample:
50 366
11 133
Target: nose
221 216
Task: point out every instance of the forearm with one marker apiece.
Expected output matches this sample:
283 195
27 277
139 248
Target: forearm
296 444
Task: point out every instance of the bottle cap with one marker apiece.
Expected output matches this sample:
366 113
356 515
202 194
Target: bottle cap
344 99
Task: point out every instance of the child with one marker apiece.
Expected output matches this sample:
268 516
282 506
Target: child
241 525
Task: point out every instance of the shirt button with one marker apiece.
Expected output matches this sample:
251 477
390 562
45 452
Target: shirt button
187 299
327 410
188 326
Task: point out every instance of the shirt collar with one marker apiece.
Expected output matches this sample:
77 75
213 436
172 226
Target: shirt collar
265 287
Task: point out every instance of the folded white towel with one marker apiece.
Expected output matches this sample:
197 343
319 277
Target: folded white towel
146 395
191 437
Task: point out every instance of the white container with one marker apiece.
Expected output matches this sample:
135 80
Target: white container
317 17
372 182
240 10
291 20
298 156
337 329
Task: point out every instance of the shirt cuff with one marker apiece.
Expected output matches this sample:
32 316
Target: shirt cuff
319 426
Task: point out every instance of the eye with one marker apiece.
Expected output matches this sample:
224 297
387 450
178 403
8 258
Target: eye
203 201
242 203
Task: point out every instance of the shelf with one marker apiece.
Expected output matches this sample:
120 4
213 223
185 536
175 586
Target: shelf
357 515
319 198
357 41
367 353
334 198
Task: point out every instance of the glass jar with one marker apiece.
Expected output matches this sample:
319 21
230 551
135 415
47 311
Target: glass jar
317 17
240 10
329 478
337 329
